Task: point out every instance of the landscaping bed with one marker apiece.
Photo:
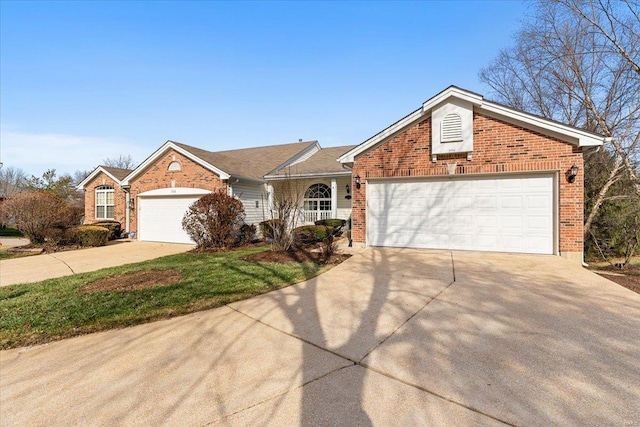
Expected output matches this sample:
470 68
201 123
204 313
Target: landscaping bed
629 277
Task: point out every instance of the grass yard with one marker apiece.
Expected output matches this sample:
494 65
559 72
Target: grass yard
118 297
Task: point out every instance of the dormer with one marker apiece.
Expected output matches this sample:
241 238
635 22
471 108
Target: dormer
452 128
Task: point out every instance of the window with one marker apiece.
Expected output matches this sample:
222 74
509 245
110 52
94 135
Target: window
175 166
317 202
104 202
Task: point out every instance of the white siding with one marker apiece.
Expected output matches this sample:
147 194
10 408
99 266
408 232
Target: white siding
254 198
344 205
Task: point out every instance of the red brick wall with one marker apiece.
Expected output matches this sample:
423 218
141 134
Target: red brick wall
498 147
157 176
119 195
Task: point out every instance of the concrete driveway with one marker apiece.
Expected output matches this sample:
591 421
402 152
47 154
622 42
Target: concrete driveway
48 266
390 337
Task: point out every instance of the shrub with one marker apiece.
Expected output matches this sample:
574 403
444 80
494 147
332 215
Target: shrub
269 227
214 221
114 228
335 223
246 235
90 235
34 212
311 233
328 248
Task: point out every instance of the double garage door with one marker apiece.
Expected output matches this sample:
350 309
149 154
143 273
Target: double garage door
160 218
508 214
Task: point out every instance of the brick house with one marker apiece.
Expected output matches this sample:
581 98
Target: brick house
464 173
459 172
151 199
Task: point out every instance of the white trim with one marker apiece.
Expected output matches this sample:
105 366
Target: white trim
170 145
175 191
307 175
566 133
95 173
575 136
299 156
334 198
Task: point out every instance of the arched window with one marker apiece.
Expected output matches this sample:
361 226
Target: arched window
175 166
104 202
317 202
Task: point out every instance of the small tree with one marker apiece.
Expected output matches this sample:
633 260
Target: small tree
60 186
285 211
35 213
214 221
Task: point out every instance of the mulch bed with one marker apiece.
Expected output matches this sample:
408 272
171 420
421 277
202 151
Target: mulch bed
631 282
132 281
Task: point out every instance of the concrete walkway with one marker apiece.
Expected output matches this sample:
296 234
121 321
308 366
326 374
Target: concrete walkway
390 337
48 266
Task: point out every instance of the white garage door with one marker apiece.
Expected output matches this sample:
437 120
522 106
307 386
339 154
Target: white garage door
160 218
506 214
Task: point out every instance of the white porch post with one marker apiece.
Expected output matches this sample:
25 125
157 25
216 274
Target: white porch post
334 198
269 201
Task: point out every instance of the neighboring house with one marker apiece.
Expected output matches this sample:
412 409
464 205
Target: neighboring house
153 198
459 172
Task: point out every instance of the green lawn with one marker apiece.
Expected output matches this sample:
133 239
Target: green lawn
58 308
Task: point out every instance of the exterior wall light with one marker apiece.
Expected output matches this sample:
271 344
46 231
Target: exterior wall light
358 182
132 204
573 173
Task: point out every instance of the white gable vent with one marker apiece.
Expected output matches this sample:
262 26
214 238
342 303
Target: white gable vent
452 124
451 128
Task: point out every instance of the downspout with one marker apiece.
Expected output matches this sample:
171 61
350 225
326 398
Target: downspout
127 214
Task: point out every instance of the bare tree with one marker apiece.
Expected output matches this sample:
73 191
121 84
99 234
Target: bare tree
122 162
576 61
79 176
12 181
285 209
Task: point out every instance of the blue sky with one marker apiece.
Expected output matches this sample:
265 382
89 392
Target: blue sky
82 81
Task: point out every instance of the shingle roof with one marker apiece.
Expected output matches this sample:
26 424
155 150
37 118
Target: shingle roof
324 161
252 163
119 173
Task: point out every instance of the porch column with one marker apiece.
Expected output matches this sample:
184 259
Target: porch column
269 200
334 198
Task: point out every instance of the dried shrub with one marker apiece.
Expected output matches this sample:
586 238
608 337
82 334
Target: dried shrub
246 235
35 212
214 221
328 248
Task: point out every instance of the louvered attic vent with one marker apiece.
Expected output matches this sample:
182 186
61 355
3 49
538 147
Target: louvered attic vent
451 128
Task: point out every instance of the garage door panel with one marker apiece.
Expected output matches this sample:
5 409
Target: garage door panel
160 218
490 213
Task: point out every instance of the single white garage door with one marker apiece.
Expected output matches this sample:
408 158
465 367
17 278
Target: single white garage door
160 218
505 214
